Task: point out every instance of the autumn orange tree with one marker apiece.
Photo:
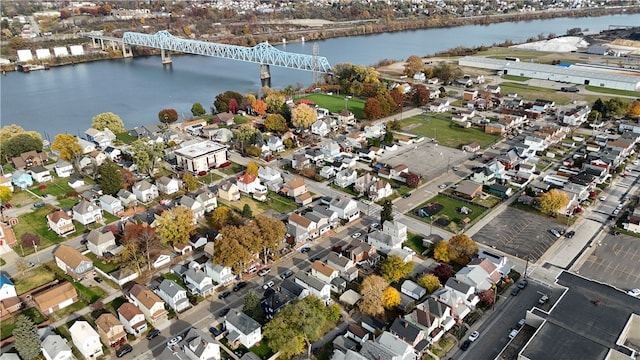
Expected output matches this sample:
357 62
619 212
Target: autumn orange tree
302 116
372 109
390 298
634 109
259 106
168 116
371 289
462 249
140 243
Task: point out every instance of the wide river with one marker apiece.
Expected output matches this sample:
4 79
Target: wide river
65 99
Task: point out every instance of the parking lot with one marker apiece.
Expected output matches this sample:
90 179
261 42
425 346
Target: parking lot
518 233
614 261
425 158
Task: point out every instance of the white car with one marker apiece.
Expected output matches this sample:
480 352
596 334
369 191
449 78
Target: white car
268 284
603 198
174 341
356 235
264 271
474 336
374 225
634 292
442 186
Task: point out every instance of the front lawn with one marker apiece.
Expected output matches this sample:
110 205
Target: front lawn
337 103
239 119
280 203
7 325
56 188
126 138
414 242
33 278
445 131
449 212
232 169
274 202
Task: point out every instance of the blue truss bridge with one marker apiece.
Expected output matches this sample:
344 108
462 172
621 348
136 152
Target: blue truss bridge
263 53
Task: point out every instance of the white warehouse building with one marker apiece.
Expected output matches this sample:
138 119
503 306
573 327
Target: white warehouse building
576 74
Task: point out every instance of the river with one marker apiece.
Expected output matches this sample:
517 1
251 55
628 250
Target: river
65 99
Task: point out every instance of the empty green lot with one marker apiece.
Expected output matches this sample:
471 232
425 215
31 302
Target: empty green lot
446 132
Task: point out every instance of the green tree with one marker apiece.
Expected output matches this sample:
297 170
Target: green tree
19 144
190 181
275 123
388 137
110 180
26 338
146 155
462 249
390 298
553 201
168 116
393 269
252 306
429 282
387 211
221 102
108 120
5 194
245 135
441 251
175 226
275 101
302 116
197 109
371 290
247 212
68 148
9 131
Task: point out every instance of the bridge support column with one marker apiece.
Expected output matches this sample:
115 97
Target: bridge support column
166 57
102 44
126 51
265 75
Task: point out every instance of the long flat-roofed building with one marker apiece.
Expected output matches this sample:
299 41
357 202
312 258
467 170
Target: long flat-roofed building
202 156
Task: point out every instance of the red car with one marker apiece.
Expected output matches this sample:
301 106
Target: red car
8 206
202 173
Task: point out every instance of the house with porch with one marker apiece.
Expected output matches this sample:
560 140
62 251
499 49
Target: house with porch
149 303
463 291
29 159
102 138
198 282
315 286
168 185
193 205
228 191
407 331
9 301
55 298
207 199
222 275
72 262
86 339
54 347
86 212
324 272
111 330
301 228
99 242
270 177
21 179
242 329
145 191
126 198
320 127
111 204
60 222
344 178
294 187
345 207
132 319
346 267
174 295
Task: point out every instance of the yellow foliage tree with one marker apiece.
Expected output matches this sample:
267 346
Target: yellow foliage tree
413 65
175 226
190 181
302 116
390 298
553 201
441 251
5 194
252 168
67 146
429 282
634 109
259 106
371 290
186 30
462 249
221 217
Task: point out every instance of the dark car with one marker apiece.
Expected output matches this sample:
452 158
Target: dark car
124 350
98 279
239 286
465 345
84 242
515 291
305 250
523 283
223 312
153 333
215 331
570 234
406 195
223 295
286 274
314 258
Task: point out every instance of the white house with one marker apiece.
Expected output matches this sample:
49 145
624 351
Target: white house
439 106
86 339
201 156
54 347
247 183
346 208
396 230
145 191
412 290
111 204
207 199
198 282
243 329
270 177
60 222
275 144
174 295
345 177
7 288
63 168
167 185
320 128
86 146
324 272
87 213
197 346
40 174
126 197
102 138
194 205
99 242
113 153
346 266
315 286
132 319
222 275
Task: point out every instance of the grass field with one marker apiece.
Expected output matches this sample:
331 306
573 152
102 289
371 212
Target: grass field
233 169
106 267
612 91
275 202
446 133
449 212
56 188
7 325
32 278
336 103
515 78
126 138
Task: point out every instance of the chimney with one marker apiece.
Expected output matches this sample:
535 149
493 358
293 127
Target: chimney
406 324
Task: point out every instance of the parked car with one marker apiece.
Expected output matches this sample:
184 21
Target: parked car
286 274
603 198
97 279
268 284
465 345
406 195
239 286
570 234
223 295
264 271
374 225
124 350
523 283
522 322
513 333
215 331
442 186
314 258
153 333
515 291
31 264
543 299
305 250
555 233
223 312
356 235
174 341
474 336
634 292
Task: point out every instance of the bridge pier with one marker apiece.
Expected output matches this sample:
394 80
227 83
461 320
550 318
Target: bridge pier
165 56
265 75
126 51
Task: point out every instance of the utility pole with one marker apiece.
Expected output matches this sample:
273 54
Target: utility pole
526 267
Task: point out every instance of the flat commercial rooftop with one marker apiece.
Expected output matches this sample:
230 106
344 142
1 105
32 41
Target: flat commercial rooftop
199 149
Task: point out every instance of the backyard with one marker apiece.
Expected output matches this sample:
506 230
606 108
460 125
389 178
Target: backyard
446 209
33 278
445 132
337 103
275 202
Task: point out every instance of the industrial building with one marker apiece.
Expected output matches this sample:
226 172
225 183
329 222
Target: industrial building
600 76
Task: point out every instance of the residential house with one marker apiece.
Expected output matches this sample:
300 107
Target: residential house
275 144
9 301
357 333
320 127
113 153
315 286
149 131
29 159
362 183
356 139
276 301
407 331
427 323
468 189
7 236
327 172
228 191
345 178
126 198
315 155
54 347
482 274
198 282
387 347
301 228
207 199
221 275
196 345
463 291
270 177
323 271
471 147
375 130
440 311
193 205
225 118
346 117
40 174
86 146
145 191
469 94
6 183
85 339
111 204
201 156
55 298
242 329
86 212
395 229
379 190
168 185
345 266
249 184
174 295
21 179
99 242
160 259
399 173
576 116
330 149
412 290
361 252
97 158
149 303
304 199
60 222
294 187
454 301
111 330
72 262
132 319
102 138
300 162
345 207
324 218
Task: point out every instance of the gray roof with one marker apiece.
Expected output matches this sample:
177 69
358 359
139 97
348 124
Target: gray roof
83 207
189 202
457 285
373 350
196 341
405 330
242 321
169 287
323 210
97 237
291 287
124 194
436 307
337 259
108 199
142 185
340 202
54 345
311 281
196 276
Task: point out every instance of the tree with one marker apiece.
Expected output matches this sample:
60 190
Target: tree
233 106
231 252
197 109
190 181
553 201
26 338
302 116
9 131
413 65
372 109
387 211
247 212
5 194
108 120
420 95
634 109
270 232
252 168
222 100
110 180
394 269
413 180
371 290
487 297
146 155
441 251
296 327
394 125
390 298
252 306
429 282
30 240
388 137
447 72
175 226
140 242
443 272
19 144
221 217
259 106
168 116
462 248
275 123
68 148
245 134
275 101
128 178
